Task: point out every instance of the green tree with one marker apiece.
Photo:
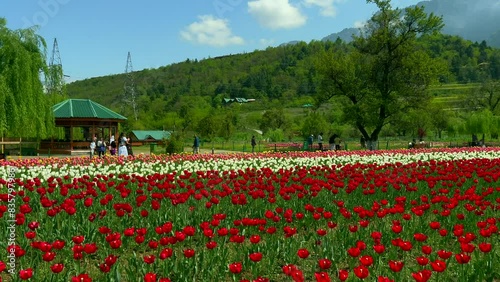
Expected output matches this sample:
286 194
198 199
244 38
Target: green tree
314 123
385 73
209 126
274 119
24 107
482 122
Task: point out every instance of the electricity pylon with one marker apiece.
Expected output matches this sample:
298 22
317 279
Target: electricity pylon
54 78
130 94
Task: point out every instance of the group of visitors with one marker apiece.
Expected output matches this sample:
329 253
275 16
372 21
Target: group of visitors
334 141
123 147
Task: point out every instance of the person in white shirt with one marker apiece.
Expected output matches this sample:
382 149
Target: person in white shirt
122 145
92 147
320 141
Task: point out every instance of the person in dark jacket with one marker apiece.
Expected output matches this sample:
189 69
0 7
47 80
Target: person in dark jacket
196 145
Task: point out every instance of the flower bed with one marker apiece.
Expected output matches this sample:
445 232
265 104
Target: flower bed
407 215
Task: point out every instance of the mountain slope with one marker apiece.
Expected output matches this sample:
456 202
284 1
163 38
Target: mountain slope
472 20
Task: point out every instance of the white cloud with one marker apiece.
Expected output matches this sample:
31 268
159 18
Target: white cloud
327 8
211 31
276 14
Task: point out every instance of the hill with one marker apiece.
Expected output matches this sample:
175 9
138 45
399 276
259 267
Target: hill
471 20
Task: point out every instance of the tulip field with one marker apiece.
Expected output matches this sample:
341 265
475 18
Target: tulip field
399 215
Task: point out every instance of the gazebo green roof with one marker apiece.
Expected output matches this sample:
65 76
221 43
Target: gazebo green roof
84 108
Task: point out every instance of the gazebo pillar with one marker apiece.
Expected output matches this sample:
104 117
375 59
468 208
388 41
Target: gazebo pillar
71 136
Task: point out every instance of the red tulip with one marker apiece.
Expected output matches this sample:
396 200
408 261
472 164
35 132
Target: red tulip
110 260
236 267
303 253
343 275
361 245
438 265
422 260
56 268
384 279
81 278
420 237
189 231
379 248
435 225
462 258
48 256
298 276
426 249
361 271
366 260
422 276
405 245
255 257
396 266
30 235
354 252
467 248
90 248
288 269
485 247
78 239
444 254
33 225
150 277
129 232
321 232
324 263
58 244
397 228
322 277
104 267
166 253
254 239
211 245
26 274
149 259
189 253
115 244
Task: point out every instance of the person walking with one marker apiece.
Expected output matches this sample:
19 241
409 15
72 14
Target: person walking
92 147
129 147
112 145
310 141
196 145
122 145
101 147
337 143
320 141
253 144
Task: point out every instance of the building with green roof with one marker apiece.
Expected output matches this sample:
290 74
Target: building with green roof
81 119
149 136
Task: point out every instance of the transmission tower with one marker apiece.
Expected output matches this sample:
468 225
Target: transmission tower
130 93
54 78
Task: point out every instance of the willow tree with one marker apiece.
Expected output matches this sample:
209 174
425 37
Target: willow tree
385 72
24 107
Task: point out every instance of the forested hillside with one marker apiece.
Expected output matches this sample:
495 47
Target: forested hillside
400 77
285 74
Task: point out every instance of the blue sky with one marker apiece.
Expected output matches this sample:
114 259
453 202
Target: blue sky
95 36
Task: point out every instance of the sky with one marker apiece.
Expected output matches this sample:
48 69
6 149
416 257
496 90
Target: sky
94 37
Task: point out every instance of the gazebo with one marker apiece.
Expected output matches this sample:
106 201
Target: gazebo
79 121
